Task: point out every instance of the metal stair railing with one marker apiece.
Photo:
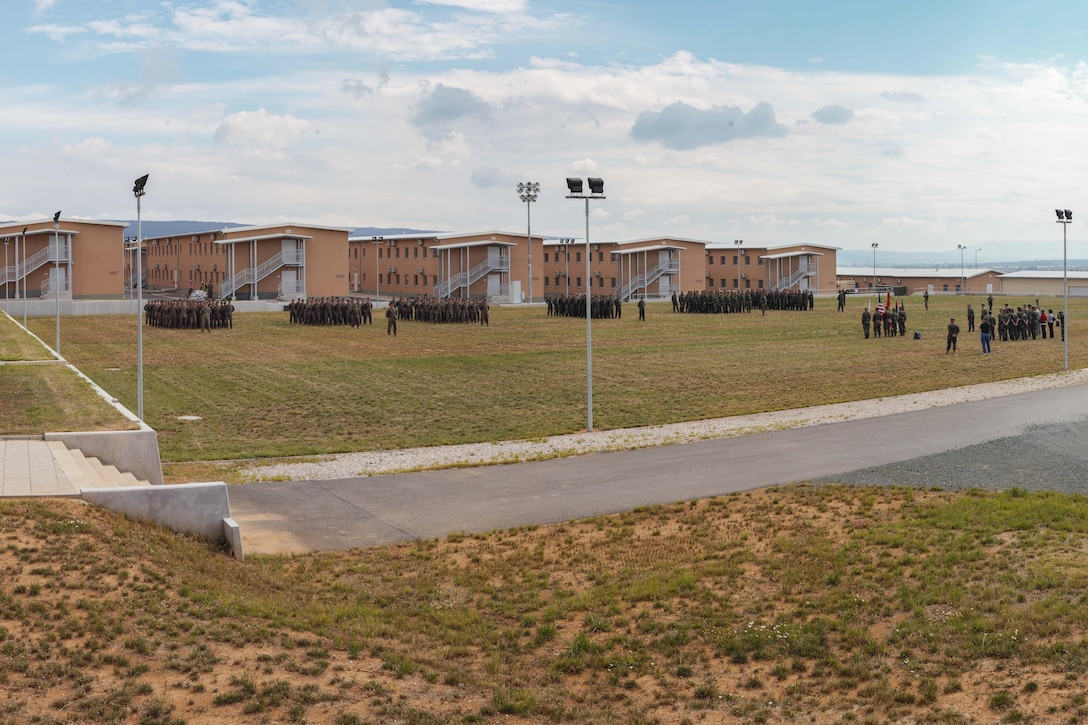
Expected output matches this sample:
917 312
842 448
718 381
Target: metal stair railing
465 279
668 266
793 279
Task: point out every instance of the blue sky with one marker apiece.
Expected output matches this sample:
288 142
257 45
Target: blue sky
918 125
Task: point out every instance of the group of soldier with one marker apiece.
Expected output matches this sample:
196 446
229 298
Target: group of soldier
473 310
189 314
730 301
331 311
601 307
1027 322
886 322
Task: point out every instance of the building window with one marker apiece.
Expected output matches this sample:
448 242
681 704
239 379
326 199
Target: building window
547 281
613 283
723 260
577 256
709 281
759 262
577 281
380 254
545 257
557 280
747 261
736 262
398 252
600 256
710 260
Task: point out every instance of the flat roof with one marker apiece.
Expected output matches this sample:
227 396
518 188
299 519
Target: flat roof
261 238
922 272
655 248
475 243
786 255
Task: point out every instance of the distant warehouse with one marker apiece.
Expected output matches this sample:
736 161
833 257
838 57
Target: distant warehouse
1046 283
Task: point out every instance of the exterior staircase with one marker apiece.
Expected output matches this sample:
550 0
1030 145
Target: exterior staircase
35 467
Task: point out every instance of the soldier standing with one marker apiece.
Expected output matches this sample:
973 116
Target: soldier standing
391 319
970 319
642 309
865 319
953 333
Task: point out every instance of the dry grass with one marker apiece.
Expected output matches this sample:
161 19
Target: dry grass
267 389
794 604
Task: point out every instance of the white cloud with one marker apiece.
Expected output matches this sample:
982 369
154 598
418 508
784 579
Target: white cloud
88 147
261 133
488 6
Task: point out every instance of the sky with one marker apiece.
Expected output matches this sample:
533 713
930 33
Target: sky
918 125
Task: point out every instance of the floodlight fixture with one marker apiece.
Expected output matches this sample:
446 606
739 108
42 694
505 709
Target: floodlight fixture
596 186
138 187
1061 215
1068 214
574 186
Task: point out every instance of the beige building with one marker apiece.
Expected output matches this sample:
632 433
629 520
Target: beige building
919 281
75 259
805 267
249 263
1044 284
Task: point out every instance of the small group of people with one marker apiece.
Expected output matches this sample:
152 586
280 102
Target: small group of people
350 311
1026 322
889 322
203 315
601 307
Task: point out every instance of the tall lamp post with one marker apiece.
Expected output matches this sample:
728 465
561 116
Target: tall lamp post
377 274
875 245
528 191
963 279
138 192
596 191
739 243
56 271
17 272
1065 218
6 280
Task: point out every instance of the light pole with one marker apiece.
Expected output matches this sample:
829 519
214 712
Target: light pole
596 191
963 280
739 243
1065 218
528 191
565 243
56 271
6 280
17 272
377 274
875 245
138 192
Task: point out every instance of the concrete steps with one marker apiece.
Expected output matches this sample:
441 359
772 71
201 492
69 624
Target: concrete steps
35 467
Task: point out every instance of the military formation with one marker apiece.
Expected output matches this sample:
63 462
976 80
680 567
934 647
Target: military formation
601 307
189 314
726 302
331 311
355 312
470 310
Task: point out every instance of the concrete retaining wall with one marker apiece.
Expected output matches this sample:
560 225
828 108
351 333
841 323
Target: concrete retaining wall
196 508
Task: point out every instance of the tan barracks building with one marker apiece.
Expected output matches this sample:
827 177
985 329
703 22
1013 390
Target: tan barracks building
285 261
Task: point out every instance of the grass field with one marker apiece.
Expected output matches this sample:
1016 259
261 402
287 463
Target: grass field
267 388
797 604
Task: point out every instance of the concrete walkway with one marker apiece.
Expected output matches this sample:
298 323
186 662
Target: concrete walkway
32 466
299 516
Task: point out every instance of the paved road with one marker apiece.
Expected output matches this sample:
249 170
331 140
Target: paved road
302 516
